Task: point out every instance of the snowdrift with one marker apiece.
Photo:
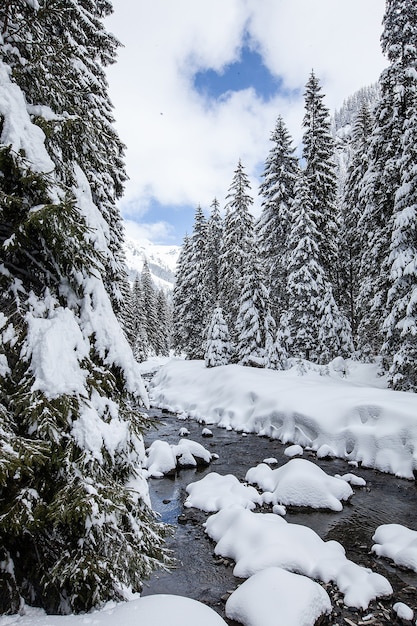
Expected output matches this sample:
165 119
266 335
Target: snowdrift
345 412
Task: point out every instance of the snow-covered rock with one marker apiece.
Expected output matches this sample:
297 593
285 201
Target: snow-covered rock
397 543
257 541
163 458
300 483
215 492
275 596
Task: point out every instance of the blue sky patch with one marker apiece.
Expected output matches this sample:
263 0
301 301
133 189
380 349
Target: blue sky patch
248 71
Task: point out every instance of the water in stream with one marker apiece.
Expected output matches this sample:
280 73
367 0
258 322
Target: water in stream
202 576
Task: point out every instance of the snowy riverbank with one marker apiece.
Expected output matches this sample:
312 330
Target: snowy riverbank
345 414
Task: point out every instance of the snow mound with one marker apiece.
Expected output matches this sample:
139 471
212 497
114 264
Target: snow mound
276 596
215 492
155 610
352 415
163 458
257 541
300 483
403 611
294 450
397 543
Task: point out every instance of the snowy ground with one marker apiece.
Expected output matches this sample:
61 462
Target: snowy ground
350 416
342 410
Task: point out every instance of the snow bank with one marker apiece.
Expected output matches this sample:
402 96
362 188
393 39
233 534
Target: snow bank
157 610
276 596
300 483
397 543
353 416
257 541
215 492
163 458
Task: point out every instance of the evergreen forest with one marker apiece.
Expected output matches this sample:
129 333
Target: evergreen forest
329 269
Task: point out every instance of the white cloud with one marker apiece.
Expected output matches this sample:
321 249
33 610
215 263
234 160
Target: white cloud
156 231
183 150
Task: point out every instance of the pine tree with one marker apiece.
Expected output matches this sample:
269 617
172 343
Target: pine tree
218 348
401 324
352 239
149 308
237 246
213 251
180 297
383 177
255 326
164 323
318 153
305 278
74 532
277 193
141 347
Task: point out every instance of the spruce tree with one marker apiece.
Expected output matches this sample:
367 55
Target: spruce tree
255 326
305 278
401 323
218 348
277 193
141 347
318 153
383 177
213 251
237 246
164 323
180 297
149 307
75 531
352 239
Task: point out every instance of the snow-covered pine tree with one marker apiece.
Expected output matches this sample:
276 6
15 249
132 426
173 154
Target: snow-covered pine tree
218 348
352 239
335 333
318 153
149 296
400 326
141 341
277 193
67 46
237 246
383 177
305 278
213 251
180 297
75 531
195 313
164 319
255 325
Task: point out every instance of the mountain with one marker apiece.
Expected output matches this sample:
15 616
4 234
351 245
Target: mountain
162 260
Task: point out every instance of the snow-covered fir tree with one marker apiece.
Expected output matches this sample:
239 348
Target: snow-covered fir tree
218 347
277 193
318 153
237 247
149 303
140 341
74 533
180 297
352 239
255 326
384 177
317 330
164 323
305 283
213 251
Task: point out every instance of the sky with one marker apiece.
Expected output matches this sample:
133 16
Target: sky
199 84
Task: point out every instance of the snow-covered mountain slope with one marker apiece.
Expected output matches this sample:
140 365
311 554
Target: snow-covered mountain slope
162 260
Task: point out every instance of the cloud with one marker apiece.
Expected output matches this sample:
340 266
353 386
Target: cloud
156 231
182 148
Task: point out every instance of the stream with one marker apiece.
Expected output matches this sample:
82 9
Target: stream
201 575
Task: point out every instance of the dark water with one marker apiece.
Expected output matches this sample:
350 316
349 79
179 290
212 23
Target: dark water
202 576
